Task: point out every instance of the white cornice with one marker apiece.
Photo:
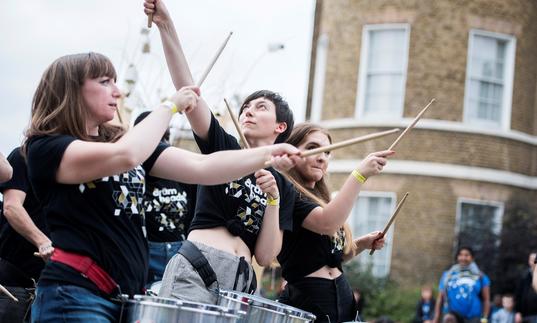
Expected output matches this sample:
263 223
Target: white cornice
431 124
405 167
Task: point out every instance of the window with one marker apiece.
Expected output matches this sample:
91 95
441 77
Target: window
489 79
479 226
383 65
371 212
319 78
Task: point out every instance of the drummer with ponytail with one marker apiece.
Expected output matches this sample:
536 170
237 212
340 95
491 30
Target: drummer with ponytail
321 240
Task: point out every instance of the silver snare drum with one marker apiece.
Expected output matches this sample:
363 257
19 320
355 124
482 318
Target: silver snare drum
262 310
150 309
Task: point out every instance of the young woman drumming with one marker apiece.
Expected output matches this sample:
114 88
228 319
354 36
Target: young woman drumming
89 176
313 252
238 220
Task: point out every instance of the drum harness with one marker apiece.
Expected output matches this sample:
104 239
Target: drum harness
206 272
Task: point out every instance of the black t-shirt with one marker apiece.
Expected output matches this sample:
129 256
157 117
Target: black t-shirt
239 205
169 208
14 247
304 251
102 219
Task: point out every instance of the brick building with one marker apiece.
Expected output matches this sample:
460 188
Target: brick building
375 64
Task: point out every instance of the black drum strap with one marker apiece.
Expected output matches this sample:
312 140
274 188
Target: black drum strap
199 262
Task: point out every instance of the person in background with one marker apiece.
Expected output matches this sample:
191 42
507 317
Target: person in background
169 207
23 231
506 314
525 295
464 291
425 307
496 304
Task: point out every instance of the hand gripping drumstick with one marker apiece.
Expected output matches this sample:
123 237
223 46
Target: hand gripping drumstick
215 58
390 222
410 126
237 126
5 291
343 144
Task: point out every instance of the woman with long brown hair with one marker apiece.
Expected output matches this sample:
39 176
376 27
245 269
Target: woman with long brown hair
313 252
90 177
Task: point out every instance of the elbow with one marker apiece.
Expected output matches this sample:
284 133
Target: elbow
328 229
6 174
264 261
128 158
10 211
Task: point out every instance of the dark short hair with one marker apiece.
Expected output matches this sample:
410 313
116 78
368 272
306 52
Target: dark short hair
283 112
467 248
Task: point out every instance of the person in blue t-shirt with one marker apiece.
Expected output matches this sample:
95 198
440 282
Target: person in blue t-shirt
464 291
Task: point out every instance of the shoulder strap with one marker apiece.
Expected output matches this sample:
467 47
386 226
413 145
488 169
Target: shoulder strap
199 262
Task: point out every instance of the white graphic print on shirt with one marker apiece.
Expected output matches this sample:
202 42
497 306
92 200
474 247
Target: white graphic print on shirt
251 212
168 201
127 192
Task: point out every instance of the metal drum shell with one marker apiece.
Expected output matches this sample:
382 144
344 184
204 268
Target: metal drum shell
263 310
145 309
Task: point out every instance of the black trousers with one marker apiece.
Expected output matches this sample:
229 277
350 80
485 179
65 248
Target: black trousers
330 300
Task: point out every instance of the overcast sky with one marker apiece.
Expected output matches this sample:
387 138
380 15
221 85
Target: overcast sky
35 32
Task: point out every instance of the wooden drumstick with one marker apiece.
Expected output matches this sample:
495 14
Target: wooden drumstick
5 291
149 20
348 142
390 221
215 58
410 126
237 126
343 144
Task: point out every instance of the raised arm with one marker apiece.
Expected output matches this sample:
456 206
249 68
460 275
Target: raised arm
85 161
5 169
217 168
332 217
20 220
199 118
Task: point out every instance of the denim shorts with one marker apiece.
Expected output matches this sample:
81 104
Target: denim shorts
160 253
59 302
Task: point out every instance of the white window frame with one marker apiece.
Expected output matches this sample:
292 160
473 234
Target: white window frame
509 71
389 243
461 200
319 77
362 73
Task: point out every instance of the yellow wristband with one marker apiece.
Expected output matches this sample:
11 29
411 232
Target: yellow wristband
171 106
359 177
273 201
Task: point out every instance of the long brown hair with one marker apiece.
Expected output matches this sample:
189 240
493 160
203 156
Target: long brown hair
58 106
320 189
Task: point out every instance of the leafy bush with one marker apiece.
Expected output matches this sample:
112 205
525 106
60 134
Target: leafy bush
382 296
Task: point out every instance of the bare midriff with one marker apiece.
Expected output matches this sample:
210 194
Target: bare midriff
220 238
326 272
